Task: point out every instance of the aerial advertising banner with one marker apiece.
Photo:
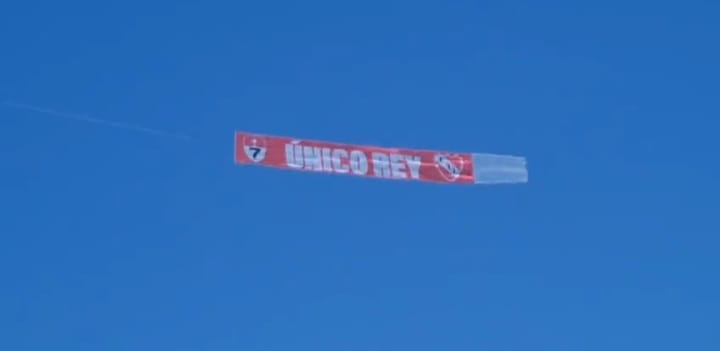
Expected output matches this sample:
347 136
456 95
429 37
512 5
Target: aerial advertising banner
437 166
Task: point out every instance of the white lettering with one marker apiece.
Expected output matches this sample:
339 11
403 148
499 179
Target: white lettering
358 162
397 166
293 155
326 160
414 163
381 164
312 158
337 156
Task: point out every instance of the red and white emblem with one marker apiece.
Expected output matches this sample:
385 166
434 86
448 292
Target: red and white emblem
449 166
255 148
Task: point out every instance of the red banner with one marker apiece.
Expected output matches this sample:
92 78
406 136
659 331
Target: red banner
359 160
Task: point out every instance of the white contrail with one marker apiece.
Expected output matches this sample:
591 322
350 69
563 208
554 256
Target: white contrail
84 118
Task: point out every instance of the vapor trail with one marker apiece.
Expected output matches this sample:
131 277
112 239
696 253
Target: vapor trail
107 123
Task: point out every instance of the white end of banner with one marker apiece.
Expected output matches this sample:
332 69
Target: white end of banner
498 169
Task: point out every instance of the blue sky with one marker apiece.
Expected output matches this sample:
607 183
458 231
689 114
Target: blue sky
114 239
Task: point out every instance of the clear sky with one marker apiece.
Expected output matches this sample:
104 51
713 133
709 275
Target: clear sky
116 239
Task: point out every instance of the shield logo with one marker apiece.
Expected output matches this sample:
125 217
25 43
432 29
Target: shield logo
255 148
449 166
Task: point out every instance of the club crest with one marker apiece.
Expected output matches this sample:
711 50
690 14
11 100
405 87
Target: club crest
449 166
255 148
